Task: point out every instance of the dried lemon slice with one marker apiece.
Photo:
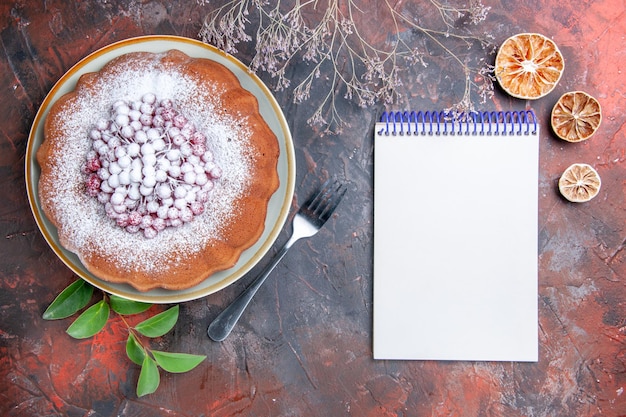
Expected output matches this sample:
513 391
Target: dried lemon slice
576 116
579 183
528 65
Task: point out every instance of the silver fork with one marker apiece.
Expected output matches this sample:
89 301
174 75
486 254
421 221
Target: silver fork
307 222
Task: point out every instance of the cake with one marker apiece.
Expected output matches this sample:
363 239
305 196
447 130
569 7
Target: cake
157 170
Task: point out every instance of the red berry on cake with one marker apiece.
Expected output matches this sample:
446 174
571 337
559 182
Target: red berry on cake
148 163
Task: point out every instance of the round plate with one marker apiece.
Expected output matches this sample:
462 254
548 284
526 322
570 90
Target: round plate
279 204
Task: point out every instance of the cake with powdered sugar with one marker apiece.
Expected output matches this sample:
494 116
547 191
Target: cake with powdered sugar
157 170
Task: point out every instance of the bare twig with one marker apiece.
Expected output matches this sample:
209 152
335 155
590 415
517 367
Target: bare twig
326 34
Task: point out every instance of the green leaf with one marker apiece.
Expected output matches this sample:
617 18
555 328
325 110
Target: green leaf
177 362
127 307
149 378
135 352
160 324
90 322
69 301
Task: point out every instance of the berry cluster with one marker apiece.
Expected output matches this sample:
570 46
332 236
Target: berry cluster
149 166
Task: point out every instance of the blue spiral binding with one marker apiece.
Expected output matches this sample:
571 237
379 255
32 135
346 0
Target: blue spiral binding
412 123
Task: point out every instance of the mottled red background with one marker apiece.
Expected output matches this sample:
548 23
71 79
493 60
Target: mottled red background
304 346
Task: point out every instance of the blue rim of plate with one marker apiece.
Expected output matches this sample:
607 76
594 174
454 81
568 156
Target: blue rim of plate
279 205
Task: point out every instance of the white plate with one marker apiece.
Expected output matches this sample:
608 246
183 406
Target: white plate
279 204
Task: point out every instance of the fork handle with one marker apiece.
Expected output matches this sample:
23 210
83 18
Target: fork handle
223 324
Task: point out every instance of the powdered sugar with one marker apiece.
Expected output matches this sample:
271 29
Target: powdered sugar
85 225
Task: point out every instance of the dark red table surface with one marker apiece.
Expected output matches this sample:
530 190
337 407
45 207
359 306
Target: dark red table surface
304 347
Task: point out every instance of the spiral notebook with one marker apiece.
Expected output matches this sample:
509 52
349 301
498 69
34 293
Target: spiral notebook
455 236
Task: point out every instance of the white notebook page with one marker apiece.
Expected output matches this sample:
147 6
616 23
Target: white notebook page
455 247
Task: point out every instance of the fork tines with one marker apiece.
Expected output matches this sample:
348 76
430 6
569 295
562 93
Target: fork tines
324 203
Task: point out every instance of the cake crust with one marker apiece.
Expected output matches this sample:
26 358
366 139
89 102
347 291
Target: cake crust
243 146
